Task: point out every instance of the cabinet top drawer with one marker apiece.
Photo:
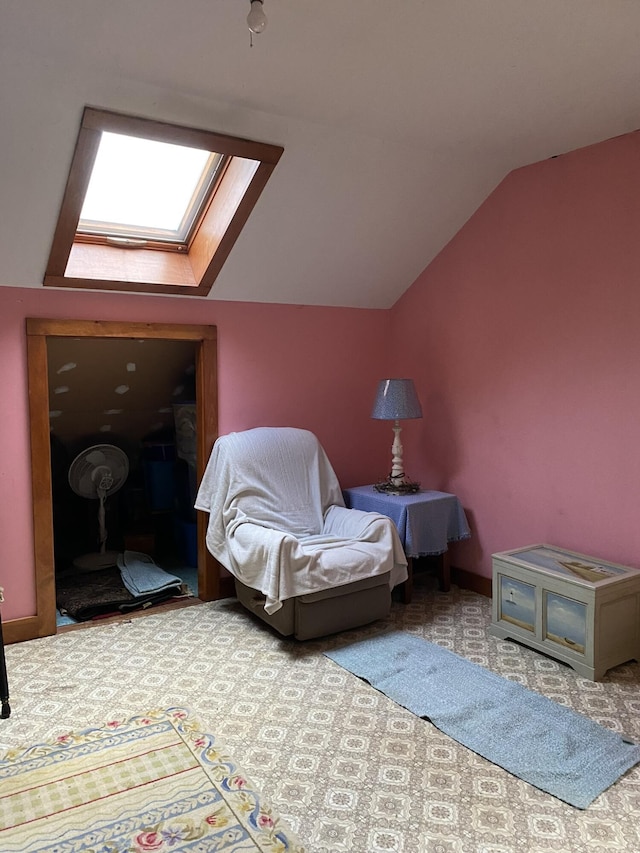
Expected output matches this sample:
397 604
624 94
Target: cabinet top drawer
558 562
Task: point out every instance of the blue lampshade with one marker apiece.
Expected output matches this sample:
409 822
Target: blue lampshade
396 400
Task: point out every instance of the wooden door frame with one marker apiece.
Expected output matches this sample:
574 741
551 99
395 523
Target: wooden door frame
38 330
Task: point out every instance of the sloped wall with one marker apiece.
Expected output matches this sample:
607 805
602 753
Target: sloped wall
523 336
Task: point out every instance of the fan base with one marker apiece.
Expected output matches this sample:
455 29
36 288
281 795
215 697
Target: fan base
95 562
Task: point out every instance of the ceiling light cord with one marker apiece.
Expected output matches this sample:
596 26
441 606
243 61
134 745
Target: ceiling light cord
256 19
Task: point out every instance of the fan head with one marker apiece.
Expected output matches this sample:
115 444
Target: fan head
98 470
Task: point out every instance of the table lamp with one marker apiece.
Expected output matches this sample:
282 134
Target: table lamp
396 400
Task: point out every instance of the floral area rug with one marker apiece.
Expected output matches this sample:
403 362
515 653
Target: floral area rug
152 784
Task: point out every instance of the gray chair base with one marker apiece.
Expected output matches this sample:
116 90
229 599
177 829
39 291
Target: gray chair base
326 612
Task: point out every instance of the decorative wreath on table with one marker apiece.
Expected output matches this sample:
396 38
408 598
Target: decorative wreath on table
406 487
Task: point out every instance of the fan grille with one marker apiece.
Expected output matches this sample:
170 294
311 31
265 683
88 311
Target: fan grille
101 469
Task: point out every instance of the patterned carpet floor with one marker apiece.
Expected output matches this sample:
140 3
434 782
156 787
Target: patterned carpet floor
345 767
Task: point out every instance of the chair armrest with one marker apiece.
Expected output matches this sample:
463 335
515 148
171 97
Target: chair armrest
353 523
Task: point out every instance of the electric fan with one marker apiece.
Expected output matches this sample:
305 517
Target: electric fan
98 472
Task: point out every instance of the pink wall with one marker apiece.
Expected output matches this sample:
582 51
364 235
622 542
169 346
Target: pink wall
523 337
315 368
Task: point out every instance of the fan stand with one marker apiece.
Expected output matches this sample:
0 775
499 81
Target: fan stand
95 562
103 559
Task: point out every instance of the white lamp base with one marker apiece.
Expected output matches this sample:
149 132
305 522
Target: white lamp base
397 483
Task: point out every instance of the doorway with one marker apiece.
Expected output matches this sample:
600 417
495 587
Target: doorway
41 335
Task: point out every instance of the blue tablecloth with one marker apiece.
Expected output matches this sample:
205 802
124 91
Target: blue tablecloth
427 520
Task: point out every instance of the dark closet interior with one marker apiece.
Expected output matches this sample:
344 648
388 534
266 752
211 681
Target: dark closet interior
137 396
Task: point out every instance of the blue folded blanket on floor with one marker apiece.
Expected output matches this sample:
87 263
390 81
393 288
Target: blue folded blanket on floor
544 743
141 576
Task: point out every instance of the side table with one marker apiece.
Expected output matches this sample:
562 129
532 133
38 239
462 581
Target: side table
427 521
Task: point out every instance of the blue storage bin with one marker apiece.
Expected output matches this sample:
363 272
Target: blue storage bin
160 485
158 461
187 541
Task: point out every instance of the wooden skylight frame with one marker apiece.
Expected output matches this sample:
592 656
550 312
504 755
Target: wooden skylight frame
75 262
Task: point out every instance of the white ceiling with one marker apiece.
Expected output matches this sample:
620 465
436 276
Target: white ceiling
398 118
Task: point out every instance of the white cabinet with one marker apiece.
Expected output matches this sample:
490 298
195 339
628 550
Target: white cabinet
577 609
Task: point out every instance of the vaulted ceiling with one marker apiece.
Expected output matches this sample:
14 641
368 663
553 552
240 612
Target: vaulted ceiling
397 118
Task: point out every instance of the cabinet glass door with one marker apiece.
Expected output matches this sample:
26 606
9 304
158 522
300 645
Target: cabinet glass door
517 603
565 621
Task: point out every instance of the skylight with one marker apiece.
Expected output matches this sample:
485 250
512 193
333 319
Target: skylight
144 189
151 207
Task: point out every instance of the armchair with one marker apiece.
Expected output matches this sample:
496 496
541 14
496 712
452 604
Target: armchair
301 561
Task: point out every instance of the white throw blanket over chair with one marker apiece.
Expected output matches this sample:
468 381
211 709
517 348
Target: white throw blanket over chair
278 523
